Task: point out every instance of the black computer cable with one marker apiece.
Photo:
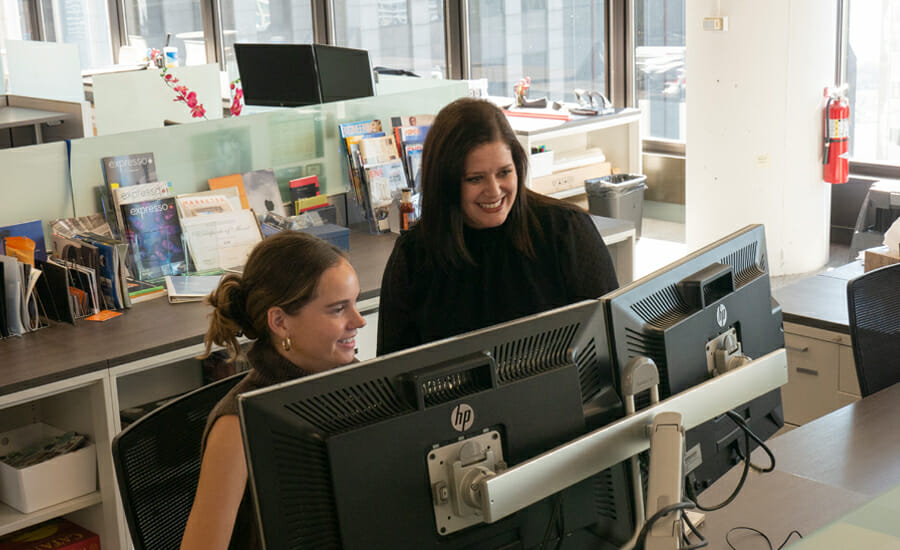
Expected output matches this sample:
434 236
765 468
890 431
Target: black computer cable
760 533
744 426
689 487
662 512
791 534
554 520
742 528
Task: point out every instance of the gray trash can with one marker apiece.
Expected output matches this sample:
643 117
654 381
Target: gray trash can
618 196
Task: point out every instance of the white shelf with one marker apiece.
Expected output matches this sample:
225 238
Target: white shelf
13 520
566 193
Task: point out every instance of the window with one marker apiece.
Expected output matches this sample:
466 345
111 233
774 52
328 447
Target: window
264 22
15 21
660 86
399 34
149 22
873 72
559 45
81 22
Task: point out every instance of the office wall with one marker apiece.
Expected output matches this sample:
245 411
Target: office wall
754 125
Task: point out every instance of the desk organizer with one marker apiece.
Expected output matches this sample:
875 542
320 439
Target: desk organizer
50 482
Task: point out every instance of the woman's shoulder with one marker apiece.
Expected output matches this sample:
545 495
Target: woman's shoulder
556 215
409 246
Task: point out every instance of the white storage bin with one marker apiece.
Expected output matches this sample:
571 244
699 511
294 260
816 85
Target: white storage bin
53 481
541 164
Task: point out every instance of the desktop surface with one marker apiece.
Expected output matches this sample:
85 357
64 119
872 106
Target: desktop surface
824 470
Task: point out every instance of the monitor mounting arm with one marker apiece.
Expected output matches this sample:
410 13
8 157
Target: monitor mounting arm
546 474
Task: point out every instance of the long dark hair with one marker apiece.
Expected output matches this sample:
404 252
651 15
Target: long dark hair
459 128
284 271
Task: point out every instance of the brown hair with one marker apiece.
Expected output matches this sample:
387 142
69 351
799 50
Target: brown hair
459 128
283 271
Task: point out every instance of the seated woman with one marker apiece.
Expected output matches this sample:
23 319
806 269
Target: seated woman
487 249
297 300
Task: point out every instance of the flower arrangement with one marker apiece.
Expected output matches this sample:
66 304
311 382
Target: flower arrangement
237 97
182 92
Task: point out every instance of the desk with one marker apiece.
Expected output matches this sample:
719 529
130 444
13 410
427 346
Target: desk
16 117
822 373
80 377
824 470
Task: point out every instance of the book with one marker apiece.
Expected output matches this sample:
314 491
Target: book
202 204
154 236
190 288
137 193
262 192
233 180
304 188
378 150
385 182
58 534
362 127
125 170
93 223
13 286
141 291
33 230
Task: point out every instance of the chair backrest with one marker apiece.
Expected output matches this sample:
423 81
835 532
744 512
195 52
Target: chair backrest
873 302
157 462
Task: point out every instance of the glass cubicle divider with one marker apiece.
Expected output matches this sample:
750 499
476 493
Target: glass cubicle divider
38 182
292 141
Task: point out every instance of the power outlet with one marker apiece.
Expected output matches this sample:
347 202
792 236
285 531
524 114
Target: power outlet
715 23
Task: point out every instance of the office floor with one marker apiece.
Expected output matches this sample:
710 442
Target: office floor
663 242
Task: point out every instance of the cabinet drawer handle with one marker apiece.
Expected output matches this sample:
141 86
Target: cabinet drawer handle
807 371
804 349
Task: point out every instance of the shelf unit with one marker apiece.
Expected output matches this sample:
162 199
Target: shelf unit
80 403
617 135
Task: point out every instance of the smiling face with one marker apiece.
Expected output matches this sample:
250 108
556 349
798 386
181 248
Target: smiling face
323 331
489 185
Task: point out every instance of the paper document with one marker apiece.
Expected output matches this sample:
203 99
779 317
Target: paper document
219 241
190 288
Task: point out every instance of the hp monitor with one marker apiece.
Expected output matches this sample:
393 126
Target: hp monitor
292 75
385 453
700 316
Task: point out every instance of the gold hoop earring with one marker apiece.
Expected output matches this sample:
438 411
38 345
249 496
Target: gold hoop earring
286 344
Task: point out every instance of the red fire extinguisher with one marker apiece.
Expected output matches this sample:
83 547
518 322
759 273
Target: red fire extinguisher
837 137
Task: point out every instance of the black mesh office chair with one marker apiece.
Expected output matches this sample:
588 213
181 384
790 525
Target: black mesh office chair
873 302
157 461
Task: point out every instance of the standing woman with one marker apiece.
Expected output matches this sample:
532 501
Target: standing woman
297 300
487 249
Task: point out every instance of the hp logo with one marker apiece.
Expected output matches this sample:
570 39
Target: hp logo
462 417
721 315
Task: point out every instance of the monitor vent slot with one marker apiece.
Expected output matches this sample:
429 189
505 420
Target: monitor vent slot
590 372
652 346
454 386
604 495
351 407
663 308
534 354
309 515
743 261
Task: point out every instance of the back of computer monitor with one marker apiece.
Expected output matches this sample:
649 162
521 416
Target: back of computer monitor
344 459
684 317
344 73
278 75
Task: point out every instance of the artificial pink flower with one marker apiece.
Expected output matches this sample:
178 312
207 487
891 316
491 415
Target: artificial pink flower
198 111
191 99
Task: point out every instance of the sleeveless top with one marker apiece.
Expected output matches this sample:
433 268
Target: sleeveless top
268 367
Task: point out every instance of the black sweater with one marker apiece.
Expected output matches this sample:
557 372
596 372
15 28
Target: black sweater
420 303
